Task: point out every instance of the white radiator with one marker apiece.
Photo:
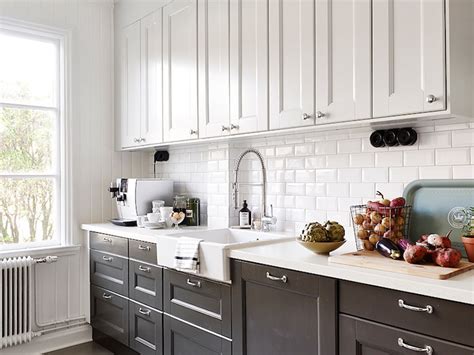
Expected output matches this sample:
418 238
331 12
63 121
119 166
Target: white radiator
16 299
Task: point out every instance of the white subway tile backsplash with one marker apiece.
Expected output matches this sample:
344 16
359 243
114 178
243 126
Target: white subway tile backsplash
453 156
418 157
388 159
315 176
403 174
436 172
375 174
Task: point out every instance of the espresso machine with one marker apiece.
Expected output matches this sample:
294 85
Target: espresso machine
134 197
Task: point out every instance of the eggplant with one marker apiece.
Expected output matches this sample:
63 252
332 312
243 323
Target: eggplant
388 249
403 244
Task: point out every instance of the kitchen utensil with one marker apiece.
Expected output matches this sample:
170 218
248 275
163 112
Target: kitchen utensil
165 215
371 260
153 217
320 247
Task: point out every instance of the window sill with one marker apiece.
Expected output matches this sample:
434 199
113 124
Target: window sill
42 251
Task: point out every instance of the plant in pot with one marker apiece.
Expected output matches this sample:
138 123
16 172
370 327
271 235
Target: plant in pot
468 235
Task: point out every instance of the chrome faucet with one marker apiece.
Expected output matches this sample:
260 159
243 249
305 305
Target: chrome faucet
267 221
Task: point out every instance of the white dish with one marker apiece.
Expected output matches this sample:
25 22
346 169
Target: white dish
151 225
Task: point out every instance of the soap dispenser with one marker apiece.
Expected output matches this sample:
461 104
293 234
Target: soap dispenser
245 217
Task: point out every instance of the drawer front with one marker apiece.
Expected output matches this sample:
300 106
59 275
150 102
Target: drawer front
197 300
183 339
146 284
142 251
361 337
281 278
146 330
109 271
448 320
109 243
109 314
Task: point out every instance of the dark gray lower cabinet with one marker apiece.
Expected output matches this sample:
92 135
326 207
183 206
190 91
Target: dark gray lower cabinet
183 339
109 271
282 312
362 337
146 328
109 314
145 284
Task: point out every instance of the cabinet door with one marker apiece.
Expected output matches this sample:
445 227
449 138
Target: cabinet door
280 312
408 56
109 314
151 79
109 271
146 284
184 339
291 60
343 60
130 85
249 65
146 330
361 337
180 91
214 94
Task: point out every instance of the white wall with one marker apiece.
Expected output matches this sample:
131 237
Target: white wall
94 162
317 176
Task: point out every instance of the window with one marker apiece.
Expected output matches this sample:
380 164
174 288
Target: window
31 136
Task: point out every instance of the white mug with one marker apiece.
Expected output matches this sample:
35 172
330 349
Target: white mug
165 215
141 220
153 217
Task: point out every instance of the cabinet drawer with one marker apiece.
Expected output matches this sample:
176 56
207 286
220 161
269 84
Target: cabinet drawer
281 278
109 243
448 320
142 251
197 300
181 338
109 314
146 330
361 337
109 271
146 284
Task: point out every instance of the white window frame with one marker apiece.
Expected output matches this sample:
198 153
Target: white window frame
61 175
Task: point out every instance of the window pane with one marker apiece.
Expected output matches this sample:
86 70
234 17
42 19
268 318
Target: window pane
26 141
28 70
26 210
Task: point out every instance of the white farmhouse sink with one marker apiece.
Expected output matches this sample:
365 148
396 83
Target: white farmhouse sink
213 251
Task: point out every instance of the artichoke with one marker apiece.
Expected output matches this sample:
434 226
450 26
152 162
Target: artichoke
314 232
335 231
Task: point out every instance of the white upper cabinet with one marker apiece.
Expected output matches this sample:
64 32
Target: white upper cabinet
249 65
130 85
180 74
343 60
151 126
214 83
291 60
408 56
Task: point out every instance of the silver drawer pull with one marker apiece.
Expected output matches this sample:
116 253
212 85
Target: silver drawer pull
145 312
143 268
193 283
106 296
427 349
107 240
143 247
428 309
107 258
283 279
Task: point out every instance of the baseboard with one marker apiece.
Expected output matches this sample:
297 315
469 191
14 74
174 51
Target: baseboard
53 341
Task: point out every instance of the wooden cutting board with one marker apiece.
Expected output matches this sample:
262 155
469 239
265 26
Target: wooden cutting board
373 260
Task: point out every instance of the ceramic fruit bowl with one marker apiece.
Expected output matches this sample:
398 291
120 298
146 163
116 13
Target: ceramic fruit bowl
321 247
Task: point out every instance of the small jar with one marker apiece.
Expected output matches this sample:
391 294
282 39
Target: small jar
179 203
193 211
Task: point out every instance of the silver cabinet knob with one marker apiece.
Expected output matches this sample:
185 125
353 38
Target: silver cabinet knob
193 131
136 140
430 99
234 126
224 128
319 114
142 139
306 116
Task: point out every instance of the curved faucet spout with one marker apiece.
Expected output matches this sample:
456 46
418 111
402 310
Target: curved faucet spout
235 184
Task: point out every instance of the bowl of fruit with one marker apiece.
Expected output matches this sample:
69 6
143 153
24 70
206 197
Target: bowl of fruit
322 238
380 219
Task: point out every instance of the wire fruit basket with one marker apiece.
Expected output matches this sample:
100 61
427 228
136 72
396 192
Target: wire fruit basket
384 222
